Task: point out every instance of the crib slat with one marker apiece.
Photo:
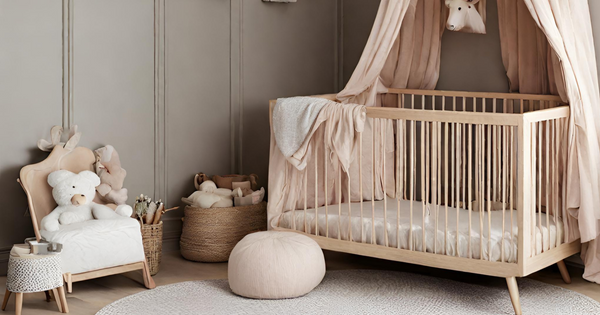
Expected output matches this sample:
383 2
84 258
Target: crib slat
540 184
464 174
443 102
373 184
470 179
480 187
555 177
383 157
563 123
522 106
533 188
448 151
489 188
412 170
349 208
326 188
294 208
305 198
494 157
434 177
423 193
547 187
511 188
439 152
503 188
339 233
453 103
360 180
459 175
317 191
399 181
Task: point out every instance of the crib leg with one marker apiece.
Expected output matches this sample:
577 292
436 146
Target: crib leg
564 272
513 290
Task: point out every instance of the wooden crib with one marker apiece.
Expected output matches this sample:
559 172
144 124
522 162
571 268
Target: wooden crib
476 186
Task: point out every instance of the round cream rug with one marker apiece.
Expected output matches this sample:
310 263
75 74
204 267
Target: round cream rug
359 292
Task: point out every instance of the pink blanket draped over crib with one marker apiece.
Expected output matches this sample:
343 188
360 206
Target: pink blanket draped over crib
332 142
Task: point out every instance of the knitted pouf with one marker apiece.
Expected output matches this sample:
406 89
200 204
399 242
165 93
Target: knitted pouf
34 273
275 265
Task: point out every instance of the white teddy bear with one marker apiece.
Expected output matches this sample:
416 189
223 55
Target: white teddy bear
209 196
74 194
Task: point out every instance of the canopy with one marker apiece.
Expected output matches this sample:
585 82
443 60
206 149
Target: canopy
547 48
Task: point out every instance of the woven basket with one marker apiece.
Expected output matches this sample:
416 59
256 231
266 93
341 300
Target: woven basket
152 235
209 235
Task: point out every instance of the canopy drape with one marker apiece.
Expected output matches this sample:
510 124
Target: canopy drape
403 51
568 28
547 48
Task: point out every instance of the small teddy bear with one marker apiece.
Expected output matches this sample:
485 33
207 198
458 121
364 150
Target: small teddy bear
112 176
74 194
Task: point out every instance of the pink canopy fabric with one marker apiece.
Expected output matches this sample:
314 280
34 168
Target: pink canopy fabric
567 26
547 47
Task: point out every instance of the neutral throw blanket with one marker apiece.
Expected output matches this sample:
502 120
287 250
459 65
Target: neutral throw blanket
292 119
332 139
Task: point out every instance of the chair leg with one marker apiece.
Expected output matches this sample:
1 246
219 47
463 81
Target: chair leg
148 281
18 303
564 272
63 299
48 298
513 290
68 280
6 296
57 299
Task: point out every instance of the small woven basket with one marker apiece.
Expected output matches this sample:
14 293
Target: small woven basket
152 236
209 235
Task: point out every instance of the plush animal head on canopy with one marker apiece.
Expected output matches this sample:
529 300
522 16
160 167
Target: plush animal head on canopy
463 17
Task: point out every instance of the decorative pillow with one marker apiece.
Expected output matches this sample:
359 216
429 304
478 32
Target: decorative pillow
226 181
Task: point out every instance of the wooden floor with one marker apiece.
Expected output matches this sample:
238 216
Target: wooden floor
90 296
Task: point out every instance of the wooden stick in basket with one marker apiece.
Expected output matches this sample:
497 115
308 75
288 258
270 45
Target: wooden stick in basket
158 213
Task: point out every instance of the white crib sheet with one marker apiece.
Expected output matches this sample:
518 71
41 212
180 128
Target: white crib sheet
399 231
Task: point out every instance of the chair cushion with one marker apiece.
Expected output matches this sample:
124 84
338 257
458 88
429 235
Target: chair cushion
275 265
98 244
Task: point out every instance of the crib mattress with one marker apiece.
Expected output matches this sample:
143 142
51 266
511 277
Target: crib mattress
438 238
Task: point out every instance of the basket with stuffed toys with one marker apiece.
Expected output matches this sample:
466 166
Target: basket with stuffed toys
221 211
149 213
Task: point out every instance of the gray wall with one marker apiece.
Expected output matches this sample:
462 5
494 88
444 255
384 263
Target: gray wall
177 86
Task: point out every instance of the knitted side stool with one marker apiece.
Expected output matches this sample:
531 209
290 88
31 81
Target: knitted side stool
28 273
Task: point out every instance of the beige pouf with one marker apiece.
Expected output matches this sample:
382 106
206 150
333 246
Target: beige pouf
275 265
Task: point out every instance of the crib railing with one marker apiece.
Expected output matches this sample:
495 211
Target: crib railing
486 156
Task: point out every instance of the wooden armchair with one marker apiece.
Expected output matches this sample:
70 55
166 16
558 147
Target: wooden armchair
33 179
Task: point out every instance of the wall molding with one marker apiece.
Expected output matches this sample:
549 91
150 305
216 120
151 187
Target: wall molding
67 63
160 108
236 85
